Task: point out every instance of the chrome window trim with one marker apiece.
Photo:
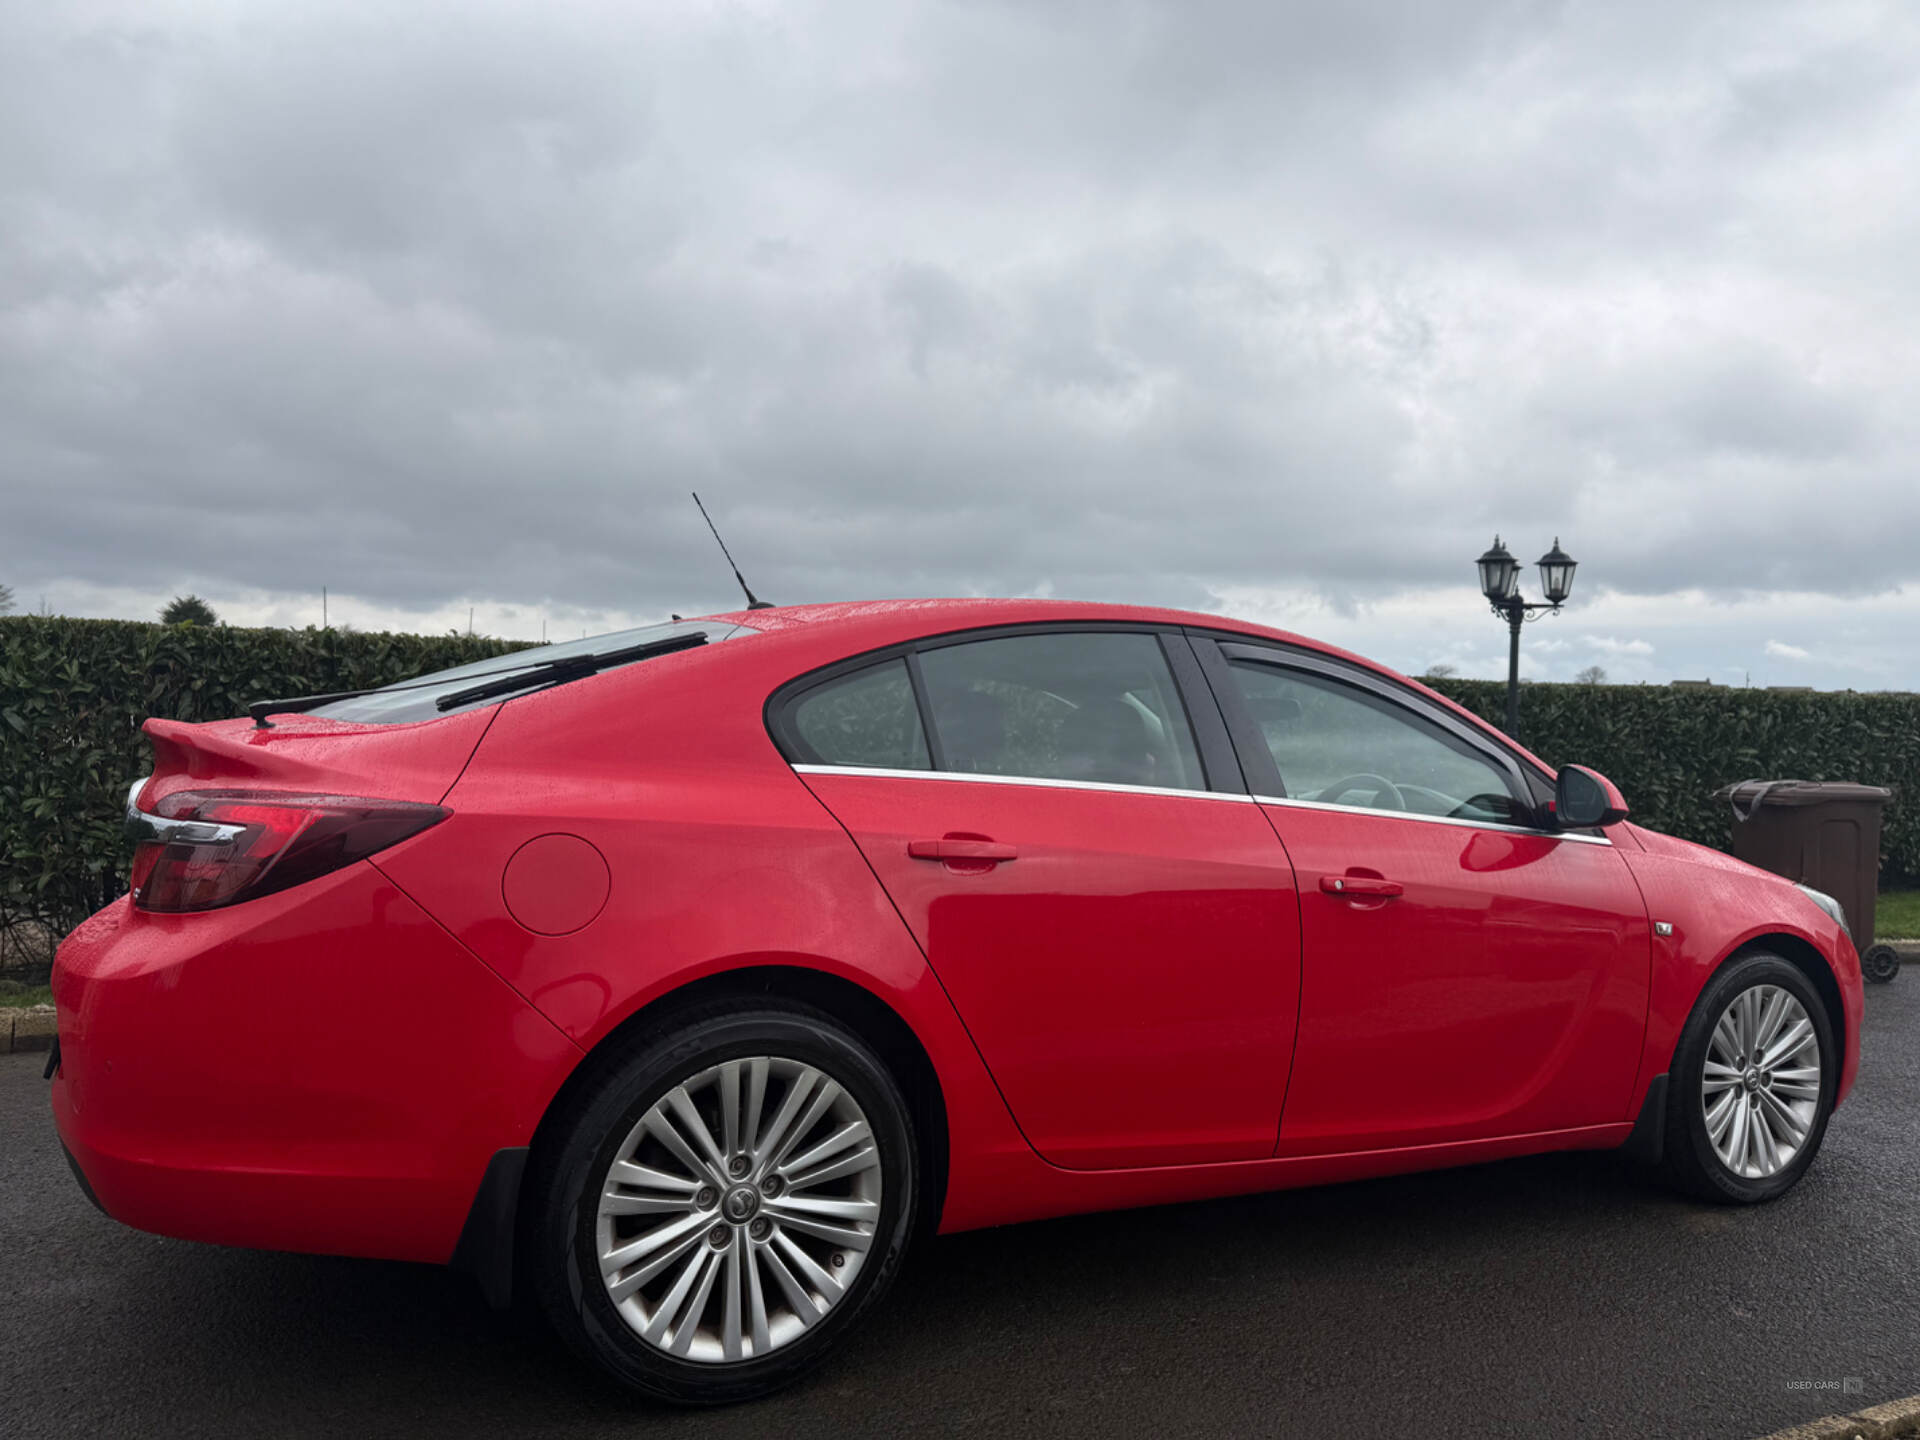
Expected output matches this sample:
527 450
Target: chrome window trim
969 777
876 773
145 828
1455 820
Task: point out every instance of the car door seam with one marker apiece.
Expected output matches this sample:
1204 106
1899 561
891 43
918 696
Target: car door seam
1300 987
925 959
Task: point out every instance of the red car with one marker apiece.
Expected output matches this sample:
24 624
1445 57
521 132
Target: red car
684 977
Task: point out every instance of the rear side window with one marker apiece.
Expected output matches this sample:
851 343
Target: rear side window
1083 705
867 718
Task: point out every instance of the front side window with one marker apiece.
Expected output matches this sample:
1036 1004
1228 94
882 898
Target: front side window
1340 745
1085 705
866 718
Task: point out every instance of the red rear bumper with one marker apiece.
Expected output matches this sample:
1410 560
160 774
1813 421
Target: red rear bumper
323 1069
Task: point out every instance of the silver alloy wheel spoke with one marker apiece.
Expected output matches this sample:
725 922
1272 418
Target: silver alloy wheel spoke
684 1239
783 1118
1789 1044
691 1122
844 1236
643 1177
865 1158
1720 1118
1797 1084
803 1303
840 1139
730 1106
1726 1034
823 1098
1772 1014
738 1210
1782 1119
662 1129
757 1304
1718 1077
735 1293
1760 1084
822 1283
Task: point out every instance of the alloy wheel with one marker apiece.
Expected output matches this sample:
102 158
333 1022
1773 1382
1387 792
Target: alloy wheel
737 1212
1760 1085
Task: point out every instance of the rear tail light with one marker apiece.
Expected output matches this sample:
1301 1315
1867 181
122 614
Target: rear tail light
241 844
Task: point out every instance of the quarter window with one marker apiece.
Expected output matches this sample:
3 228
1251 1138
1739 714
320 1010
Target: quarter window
1081 705
1339 745
866 718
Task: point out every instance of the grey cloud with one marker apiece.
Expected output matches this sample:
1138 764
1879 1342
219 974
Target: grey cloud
1725 399
1134 301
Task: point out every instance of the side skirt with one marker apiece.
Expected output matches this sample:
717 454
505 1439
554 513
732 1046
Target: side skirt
1009 1186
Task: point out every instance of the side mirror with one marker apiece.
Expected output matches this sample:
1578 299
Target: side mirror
1583 798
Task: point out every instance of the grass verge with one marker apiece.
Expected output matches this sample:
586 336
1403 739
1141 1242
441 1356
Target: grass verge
1896 916
17 992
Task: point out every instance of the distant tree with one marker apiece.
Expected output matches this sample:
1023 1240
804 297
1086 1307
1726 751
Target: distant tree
6 599
1441 671
188 610
1592 675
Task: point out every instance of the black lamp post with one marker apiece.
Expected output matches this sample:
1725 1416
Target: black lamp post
1500 583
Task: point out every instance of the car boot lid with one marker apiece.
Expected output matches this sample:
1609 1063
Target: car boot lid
314 755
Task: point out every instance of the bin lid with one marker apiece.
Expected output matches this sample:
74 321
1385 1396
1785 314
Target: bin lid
1748 794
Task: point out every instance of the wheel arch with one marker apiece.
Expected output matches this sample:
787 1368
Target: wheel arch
866 1013
489 1243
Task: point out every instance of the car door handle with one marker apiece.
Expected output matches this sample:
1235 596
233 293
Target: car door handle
1361 887
951 849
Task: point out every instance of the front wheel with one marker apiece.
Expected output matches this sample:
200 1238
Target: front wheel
724 1204
1752 1083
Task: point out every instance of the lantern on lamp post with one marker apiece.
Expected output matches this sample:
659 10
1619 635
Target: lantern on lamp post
1500 583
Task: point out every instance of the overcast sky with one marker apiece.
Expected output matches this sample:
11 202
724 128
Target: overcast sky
1276 309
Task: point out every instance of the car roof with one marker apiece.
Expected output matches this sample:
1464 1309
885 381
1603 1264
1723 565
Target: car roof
920 617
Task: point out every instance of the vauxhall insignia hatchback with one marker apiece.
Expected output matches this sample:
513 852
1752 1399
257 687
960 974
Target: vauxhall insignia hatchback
681 980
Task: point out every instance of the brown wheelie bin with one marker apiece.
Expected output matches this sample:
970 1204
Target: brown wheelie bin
1824 834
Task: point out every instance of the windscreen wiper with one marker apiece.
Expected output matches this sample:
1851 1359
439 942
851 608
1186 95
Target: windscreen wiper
511 679
300 704
553 672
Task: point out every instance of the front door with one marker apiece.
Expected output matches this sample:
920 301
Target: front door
1121 942
1466 975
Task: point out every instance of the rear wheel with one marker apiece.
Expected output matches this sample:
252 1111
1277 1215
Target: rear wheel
724 1204
1752 1083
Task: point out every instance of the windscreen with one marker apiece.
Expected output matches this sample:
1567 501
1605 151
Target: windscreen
414 700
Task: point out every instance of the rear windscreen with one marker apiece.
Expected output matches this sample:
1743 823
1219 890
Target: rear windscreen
413 700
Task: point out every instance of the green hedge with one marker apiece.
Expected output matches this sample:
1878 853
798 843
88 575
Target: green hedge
73 694
1669 749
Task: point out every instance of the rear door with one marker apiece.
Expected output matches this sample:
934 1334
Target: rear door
1108 910
1466 974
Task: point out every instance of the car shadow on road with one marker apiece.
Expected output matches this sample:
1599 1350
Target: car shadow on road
1136 1312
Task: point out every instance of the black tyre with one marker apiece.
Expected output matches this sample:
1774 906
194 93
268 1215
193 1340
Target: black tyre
1880 964
721 1206
1752 1083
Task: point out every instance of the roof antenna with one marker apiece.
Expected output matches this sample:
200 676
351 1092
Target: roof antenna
753 603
